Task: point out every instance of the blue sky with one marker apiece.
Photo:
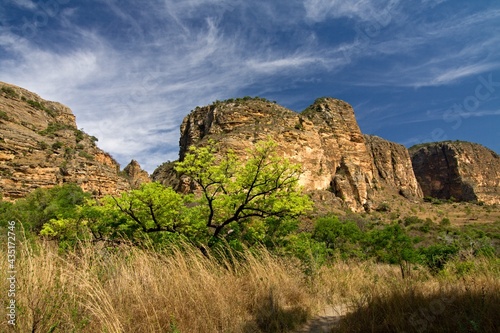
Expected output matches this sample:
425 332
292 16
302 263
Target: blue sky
131 70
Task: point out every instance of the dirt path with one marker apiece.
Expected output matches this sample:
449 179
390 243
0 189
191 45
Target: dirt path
324 321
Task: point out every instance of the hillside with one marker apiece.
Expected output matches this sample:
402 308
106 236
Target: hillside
337 160
41 146
456 169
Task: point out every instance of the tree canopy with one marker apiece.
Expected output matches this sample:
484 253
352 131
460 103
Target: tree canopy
264 185
236 201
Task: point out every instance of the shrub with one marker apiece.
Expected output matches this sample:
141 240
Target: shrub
9 92
52 128
393 245
432 200
68 152
383 207
86 155
43 145
409 220
340 236
42 205
3 115
436 256
445 222
57 145
79 136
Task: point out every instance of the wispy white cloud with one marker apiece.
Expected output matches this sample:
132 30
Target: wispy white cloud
436 53
131 81
134 99
366 10
481 113
24 3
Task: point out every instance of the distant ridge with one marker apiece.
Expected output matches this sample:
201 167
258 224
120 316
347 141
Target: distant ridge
457 169
41 146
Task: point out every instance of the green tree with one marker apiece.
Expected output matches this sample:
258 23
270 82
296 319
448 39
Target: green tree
393 245
240 201
343 237
154 208
42 205
152 212
235 193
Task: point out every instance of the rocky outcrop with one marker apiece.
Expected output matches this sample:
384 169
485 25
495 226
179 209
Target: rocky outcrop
41 146
461 170
325 139
392 167
135 175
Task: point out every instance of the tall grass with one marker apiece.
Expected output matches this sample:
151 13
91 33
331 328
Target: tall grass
464 297
127 289
135 290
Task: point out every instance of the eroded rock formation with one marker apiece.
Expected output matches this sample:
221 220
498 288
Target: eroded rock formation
325 139
135 175
392 167
461 170
41 146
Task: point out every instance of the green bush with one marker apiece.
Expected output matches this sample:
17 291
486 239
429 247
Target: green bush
57 145
86 155
409 220
43 145
3 115
445 222
79 136
52 128
392 244
9 92
42 205
35 104
312 254
341 237
436 256
383 207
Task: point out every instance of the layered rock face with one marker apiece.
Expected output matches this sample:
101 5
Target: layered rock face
325 139
41 146
135 175
462 170
392 166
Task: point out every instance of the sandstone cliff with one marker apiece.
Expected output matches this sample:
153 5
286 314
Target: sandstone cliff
41 146
135 175
462 170
392 167
325 139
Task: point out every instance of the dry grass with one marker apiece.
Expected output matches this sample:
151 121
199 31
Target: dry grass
133 290
465 297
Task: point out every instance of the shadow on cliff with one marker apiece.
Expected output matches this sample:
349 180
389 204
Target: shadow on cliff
474 309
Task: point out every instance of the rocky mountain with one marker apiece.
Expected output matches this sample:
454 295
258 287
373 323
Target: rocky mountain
392 166
461 170
325 138
135 175
41 146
